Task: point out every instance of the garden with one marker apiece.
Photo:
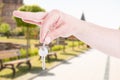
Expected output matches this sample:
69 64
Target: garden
79 48
25 38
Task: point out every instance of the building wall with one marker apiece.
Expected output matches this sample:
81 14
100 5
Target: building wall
1 4
7 9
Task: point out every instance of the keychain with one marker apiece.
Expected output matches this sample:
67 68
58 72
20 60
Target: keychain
43 51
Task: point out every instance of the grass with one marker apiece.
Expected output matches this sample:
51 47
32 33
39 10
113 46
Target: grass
19 41
6 74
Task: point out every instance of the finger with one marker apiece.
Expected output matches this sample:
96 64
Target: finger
32 22
32 16
54 35
49 22
40 35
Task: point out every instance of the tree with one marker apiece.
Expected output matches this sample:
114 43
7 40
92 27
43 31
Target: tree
5 29
28 8
83 17
18 31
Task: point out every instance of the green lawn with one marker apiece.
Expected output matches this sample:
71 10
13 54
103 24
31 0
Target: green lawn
6 74
18 41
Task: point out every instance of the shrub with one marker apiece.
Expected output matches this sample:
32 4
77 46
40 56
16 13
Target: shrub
23 53
57 47
33 52
5 29
18 32
71 44
81 43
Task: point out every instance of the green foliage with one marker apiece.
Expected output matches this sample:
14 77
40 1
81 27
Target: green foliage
32 52
28 8
18 31
73 45
4 28
57 47
23 53
23 24
34 32
31 8
81 43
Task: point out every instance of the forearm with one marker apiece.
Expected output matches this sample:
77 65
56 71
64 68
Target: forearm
104 39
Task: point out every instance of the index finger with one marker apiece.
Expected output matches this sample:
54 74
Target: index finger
31 16
50 22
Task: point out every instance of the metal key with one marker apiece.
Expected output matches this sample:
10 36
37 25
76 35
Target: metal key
43 51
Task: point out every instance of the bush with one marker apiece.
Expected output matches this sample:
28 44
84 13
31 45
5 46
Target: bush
57 47
5 29
32 52
18 32
71 44
81 43
23 53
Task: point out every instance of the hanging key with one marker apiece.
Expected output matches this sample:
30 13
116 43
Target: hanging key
43 51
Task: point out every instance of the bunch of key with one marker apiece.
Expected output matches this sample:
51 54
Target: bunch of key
43 51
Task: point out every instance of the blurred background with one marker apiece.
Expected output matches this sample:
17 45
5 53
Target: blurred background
16 34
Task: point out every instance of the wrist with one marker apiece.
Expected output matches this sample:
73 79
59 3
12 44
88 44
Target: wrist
79 28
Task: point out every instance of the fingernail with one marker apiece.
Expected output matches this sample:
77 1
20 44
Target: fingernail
47 40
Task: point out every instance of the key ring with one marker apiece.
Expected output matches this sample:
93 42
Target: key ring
43 52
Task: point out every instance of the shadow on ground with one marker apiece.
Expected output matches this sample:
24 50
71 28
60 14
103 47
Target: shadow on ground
22 70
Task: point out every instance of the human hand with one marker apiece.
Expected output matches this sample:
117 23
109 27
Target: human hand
53 24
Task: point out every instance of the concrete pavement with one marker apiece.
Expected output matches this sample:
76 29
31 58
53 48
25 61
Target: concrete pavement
92 65
88 66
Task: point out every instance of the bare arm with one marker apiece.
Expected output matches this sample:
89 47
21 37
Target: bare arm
101 38
60 24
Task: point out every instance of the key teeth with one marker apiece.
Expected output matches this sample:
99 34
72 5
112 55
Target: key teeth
43 52
43 62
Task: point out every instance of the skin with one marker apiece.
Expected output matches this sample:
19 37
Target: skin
58 24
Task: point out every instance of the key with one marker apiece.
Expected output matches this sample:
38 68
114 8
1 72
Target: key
43 51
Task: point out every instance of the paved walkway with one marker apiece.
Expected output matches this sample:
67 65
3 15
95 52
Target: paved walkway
92 65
